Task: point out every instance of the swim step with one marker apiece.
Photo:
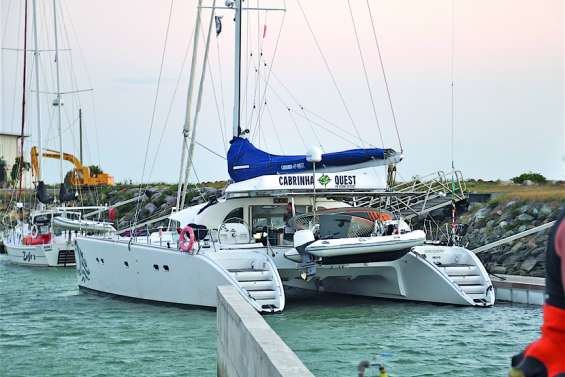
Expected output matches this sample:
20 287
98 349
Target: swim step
476 296
262 295
466 279
260 285
251 275
476 289
459 270
268 303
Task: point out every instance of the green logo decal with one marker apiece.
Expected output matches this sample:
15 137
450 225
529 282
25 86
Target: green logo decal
324 180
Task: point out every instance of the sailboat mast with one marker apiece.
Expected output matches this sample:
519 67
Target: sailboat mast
198 105
21 167
37 103
80 133
237 71
58 99
187 126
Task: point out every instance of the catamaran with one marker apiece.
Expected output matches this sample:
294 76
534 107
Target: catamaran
284 221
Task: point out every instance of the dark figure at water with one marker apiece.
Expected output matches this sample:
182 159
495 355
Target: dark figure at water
546 356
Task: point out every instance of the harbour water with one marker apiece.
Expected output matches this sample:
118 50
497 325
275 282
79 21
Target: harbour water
48 328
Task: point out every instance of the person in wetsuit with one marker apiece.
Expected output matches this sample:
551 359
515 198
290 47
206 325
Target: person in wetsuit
546 356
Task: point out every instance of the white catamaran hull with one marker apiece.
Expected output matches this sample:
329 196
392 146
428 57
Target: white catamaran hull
52 255
414 277
156 273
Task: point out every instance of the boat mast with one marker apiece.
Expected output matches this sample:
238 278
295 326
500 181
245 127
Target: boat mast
237 71
57 101
21 167
80 132
37 104
198 105
187 125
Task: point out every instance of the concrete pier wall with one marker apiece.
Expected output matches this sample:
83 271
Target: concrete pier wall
519 289
247 345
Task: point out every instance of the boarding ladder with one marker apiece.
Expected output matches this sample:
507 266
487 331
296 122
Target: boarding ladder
419 196
468 278
258 284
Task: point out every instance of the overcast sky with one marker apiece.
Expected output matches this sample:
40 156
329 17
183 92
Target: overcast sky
508 74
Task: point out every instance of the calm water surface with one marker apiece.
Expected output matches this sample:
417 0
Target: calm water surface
48 328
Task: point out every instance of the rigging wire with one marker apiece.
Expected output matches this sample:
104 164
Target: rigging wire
169 111
307 111
3 43
138 202
15 84
452 63
210 150
384 76
218 111
91 97
288 108
269 86
223 121
275 128
257 85
299 104
263 98
365 72
334 81
21 162
248 54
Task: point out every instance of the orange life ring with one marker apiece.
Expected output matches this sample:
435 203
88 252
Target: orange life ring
184 244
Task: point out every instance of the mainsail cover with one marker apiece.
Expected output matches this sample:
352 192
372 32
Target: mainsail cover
245 161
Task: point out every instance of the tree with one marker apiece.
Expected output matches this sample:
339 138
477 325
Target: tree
530 176
15 173
69 177
95 170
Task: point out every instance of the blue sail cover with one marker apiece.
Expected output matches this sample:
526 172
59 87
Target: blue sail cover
246 162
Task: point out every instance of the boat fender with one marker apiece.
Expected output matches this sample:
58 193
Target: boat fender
184 244
34 231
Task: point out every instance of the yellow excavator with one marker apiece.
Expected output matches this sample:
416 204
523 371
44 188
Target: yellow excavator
81 174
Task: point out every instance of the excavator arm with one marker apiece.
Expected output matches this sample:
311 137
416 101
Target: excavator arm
81 176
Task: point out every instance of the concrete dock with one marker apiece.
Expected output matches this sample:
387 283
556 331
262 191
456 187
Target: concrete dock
247 345
519 289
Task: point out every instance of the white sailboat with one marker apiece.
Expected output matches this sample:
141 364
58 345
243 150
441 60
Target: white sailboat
161 271
245 239
46 237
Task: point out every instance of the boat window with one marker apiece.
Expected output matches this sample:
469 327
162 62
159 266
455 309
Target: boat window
234 214
269 221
